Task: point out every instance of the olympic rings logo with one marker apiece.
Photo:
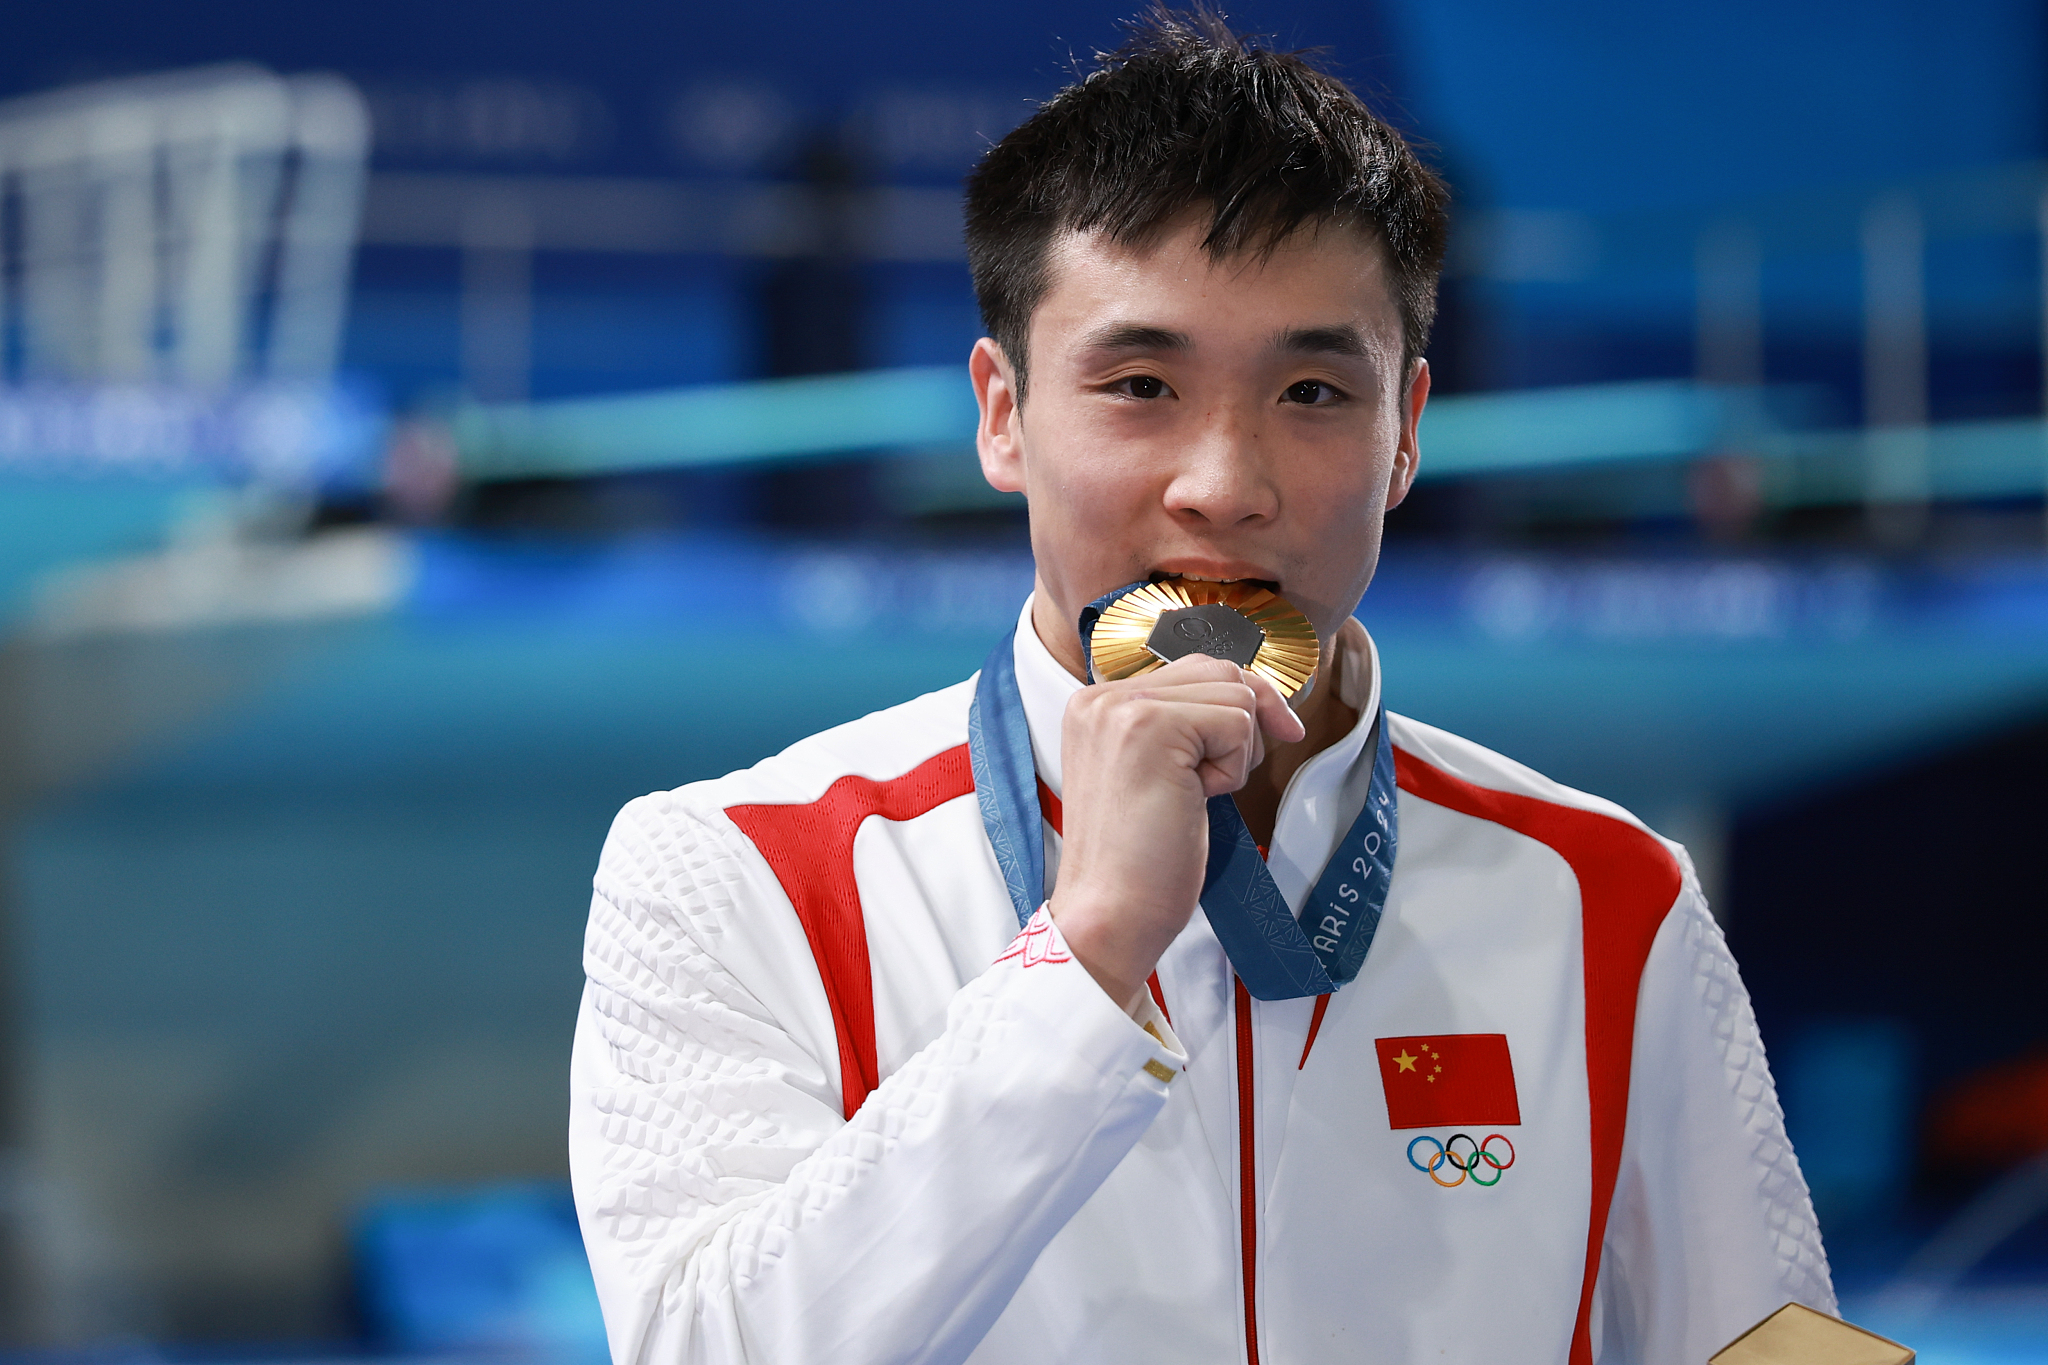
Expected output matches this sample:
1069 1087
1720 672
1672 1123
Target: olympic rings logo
1469 1165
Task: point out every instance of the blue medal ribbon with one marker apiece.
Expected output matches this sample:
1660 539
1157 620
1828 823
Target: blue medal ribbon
1277 955
1006 779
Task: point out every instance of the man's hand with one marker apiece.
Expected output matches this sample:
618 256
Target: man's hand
1140 758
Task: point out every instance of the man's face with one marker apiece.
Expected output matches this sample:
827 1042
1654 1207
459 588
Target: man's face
1242 418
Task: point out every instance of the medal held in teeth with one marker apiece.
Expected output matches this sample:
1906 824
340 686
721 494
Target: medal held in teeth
1254 627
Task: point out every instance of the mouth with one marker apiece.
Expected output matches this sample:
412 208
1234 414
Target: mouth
1251 578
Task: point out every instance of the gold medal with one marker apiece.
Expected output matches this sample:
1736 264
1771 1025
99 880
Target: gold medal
1253 627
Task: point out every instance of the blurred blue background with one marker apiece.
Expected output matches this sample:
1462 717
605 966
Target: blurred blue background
416 422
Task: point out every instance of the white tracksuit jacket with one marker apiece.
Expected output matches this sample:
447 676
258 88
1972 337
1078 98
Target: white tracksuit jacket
829 1105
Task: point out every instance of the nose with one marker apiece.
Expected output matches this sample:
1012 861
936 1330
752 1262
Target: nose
1221 479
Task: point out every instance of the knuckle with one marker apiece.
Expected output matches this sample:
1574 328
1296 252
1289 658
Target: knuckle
1128 720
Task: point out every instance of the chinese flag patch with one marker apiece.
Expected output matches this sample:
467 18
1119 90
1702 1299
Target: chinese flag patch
1447 1080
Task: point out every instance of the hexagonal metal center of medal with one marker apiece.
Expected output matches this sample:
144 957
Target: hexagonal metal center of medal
1212 629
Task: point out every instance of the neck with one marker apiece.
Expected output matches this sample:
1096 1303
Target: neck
1323 714
1062 639
1327 720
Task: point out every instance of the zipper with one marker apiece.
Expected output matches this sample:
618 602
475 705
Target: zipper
1247 1173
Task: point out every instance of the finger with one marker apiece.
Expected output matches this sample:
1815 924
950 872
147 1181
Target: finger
1231 746
1195 668
1235 694
1221 779
1276 717
1219 742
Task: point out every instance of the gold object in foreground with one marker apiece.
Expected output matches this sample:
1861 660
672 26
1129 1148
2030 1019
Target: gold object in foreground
1148 626
1796 1335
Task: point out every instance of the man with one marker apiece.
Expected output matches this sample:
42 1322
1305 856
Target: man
830 1104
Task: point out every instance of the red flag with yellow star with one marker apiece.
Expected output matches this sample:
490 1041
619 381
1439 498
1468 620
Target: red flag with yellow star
1448 1079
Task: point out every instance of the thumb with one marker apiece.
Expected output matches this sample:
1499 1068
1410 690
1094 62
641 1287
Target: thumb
1276 718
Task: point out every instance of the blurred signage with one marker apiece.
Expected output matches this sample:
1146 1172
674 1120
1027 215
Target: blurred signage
1716 600
507 120
825 593
290 435
722 125
912 132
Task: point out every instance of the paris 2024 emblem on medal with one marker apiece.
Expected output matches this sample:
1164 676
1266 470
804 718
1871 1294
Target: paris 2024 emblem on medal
1252 626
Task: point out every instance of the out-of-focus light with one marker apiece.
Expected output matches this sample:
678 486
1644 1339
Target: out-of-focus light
776 419
1496 432
491 1267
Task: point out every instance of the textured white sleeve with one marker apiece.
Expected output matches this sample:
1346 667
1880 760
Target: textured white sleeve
731 1215
1712 1228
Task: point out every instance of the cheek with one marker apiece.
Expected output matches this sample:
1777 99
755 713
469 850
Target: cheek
1094 490
1345 490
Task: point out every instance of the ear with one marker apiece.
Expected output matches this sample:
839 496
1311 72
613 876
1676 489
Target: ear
999 436
1408 455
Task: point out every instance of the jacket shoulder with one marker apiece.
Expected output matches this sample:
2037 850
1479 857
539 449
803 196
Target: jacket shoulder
1460 758
881 745
1452 771
681 845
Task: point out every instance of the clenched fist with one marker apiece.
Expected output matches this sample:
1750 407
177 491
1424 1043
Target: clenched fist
1140 759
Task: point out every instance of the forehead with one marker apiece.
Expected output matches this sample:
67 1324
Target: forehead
1326 274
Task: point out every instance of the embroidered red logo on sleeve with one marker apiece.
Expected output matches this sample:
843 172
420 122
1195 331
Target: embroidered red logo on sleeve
1448 1079
1038 942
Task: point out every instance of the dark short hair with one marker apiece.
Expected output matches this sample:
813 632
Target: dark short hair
1187 115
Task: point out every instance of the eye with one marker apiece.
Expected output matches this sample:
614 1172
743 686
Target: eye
1312 393
1141 386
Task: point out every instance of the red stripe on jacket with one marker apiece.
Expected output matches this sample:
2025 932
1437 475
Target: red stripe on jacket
1628 882
810 849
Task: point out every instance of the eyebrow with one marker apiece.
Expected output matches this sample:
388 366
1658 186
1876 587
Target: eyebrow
1339 340
1137 336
